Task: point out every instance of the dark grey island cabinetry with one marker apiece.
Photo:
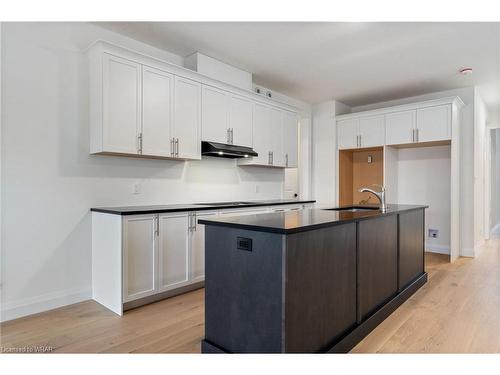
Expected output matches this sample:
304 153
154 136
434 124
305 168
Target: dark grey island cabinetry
310 281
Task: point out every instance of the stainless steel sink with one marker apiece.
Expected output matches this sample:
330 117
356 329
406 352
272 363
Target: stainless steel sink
353 209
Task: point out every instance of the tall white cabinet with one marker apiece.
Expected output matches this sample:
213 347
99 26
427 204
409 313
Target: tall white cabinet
423 124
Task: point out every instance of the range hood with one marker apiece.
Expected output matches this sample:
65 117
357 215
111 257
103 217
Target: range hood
222 150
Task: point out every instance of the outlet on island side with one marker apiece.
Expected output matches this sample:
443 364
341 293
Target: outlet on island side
434 233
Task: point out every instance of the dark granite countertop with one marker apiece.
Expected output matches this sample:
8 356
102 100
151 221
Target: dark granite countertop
138 210
303 220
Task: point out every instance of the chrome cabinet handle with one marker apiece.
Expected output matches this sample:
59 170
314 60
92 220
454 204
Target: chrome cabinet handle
139 143
194 221
269 158
157 225
232 136
418 135
286 160
413 135
172 151
360 142
177 147
272 157
228 136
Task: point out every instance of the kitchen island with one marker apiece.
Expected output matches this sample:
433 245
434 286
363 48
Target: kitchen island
310 281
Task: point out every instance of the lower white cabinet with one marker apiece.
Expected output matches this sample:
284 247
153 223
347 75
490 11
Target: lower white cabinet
139 256
151 255
173 251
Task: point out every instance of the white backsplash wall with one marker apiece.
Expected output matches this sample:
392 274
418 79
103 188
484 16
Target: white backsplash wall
49 180
424 178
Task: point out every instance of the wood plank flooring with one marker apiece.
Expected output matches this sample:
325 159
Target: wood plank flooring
457 311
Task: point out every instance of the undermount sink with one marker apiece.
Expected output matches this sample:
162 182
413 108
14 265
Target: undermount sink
353 209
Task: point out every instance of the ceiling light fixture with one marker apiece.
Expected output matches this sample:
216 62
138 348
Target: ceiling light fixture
465 71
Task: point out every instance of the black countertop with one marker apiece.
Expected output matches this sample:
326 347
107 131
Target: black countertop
138 210
303 220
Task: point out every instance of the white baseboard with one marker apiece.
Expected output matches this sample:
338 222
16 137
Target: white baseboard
439 249
467 252
28 306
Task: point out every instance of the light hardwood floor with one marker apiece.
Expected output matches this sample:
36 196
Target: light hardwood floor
458 310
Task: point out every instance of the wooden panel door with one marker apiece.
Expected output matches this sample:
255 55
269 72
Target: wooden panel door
434 123
139 256
121 105
261 135
411 246
399 127
377 263
215 115
241 120
173 251
187 118
276 137
157 112
290 139
372 131
198 247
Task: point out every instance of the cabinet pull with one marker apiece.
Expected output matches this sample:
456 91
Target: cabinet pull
172 147
232 134
286 160
139 143
157 225
194 222
228 138
413 135
418 135
272 157
360 143
177 147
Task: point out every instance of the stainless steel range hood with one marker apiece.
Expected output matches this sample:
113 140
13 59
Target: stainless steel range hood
222 150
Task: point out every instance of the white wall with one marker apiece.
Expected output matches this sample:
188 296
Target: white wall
49 180
424 178
467 157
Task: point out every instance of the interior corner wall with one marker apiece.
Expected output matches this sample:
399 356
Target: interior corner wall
495 182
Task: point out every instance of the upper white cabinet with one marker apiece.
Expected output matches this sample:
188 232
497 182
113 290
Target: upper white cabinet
371 131
275 137
187 119
215 115
290 139
157 112
347 134
145 107
120 119
240 120
361 132
429 121
400 127
433 124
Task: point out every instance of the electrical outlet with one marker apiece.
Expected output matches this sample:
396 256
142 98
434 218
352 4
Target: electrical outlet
137 189
433 233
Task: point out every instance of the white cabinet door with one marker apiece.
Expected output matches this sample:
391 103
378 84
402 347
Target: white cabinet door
261 140
371 131
400 127
240 120
198 247
275 134
434 123
139 257
173 251
347 134
121 105
214 114
290 139
157 112
187 118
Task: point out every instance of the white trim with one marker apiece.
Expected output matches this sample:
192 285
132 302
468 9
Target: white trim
28 306
404 107
439 249
467 252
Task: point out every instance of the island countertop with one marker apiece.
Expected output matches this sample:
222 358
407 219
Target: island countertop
303 220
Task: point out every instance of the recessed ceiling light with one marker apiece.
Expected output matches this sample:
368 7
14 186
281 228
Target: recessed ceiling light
465 71
221 153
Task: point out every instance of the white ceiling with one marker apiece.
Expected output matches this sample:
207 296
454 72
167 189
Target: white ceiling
355 63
